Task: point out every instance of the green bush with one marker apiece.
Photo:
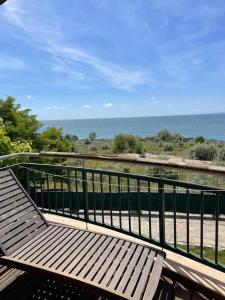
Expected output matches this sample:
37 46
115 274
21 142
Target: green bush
124 142
168 147
165 135
199 139
87 141
203 152
221 154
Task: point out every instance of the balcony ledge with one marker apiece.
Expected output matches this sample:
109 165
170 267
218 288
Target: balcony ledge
192 271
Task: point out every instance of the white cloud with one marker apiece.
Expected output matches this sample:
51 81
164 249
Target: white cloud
108 104
29 97
87 106
49 37
55 107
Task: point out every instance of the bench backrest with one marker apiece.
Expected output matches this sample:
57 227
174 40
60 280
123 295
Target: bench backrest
20 219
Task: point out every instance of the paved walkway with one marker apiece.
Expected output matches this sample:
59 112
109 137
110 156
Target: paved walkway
181 227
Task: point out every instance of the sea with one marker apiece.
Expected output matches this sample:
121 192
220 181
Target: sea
211 126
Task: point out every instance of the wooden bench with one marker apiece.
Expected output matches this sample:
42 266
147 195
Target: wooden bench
106 265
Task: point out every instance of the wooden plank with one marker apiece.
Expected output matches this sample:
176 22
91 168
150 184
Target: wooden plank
72 245
101 259
11 206
8 190
115 263
98 277
154 277
26 239
32 243
11 200
144 276
18 222
4 173
7 184
20 228
5 178
91 263
123 264
59 250
49 250
90 251
138 269
13 214
38 244
130 268
22 235
81 251
11 194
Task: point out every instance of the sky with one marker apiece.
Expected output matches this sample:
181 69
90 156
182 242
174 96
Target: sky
77 59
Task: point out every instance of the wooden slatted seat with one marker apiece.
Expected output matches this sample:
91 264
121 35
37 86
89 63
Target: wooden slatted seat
108 265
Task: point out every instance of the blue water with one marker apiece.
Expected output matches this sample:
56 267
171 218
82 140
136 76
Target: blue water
211 126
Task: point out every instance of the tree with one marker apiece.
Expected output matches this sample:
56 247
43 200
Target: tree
7 146
52 139
19 123
92 136
119 143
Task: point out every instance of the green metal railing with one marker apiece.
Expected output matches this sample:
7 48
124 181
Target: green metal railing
182 217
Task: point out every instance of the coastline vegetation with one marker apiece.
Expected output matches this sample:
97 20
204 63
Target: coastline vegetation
20 132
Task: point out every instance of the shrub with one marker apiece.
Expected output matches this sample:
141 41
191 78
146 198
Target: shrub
119 143
87 141
105 147
199 139
168 147
221 154
165 135
92 136
203 152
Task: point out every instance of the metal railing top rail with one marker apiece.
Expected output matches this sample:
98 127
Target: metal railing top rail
216 170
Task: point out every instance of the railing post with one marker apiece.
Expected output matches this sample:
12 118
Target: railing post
85 194
161 214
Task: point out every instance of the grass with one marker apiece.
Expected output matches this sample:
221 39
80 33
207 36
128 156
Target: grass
208 252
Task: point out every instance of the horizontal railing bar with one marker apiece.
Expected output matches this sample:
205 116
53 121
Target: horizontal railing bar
217 170
131 176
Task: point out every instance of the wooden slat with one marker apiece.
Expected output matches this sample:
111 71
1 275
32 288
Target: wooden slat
7 190
97 254
110 258
115 263
120 271
89 252
4 173
11 206
4 179
144 276
12 199
130 268
18 222
13 214
7 184
101 259
72 245
154 278
58 248
20 228
32 243
85 238
50 248
26 239
10 194
82 249
138 268
37 244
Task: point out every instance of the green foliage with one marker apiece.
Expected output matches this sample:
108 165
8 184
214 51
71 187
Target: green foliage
87 141
92 136
199 139
203 152
52 139
19 123
221 154
127 142
72 137
165 135
168 147
7 146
